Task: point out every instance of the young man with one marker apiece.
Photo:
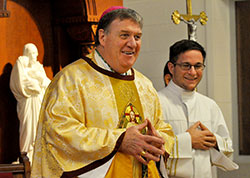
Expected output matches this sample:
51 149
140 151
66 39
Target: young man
202 138
100 117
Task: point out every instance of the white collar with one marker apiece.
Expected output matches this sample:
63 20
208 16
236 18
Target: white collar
183 94
101 63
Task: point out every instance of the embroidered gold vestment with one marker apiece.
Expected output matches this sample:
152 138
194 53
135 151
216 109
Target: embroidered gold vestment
85 112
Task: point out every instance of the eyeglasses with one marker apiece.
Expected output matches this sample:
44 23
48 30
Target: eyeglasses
187 66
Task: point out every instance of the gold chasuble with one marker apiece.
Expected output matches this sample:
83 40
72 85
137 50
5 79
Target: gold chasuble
83 119
130 112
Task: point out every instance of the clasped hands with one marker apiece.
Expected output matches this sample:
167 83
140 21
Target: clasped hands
202 137
143 147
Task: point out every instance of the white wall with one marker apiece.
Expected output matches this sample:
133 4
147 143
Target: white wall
217 37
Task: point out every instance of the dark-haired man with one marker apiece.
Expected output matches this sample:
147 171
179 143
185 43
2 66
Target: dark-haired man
100 117
202 137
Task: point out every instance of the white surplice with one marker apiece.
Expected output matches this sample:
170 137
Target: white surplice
182 109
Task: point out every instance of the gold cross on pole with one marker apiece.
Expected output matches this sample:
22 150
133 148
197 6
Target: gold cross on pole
190 19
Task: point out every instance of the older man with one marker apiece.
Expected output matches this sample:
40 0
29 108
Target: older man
202 138
100 117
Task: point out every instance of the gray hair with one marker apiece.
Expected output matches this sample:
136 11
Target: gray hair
122 14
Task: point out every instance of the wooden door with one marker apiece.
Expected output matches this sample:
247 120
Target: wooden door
243 74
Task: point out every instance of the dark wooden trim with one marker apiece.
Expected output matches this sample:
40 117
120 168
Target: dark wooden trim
22 168
242 9
3 11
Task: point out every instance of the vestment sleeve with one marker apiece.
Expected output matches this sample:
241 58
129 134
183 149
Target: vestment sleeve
221 132
221 158
182 150
72 138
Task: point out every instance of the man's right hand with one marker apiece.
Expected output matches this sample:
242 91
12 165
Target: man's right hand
135 143
202 137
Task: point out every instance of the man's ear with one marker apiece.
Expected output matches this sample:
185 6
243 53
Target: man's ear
167 79
171 67
102 35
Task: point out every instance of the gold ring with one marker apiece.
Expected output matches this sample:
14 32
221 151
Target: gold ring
143 153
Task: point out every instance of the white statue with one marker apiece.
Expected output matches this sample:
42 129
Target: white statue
28 82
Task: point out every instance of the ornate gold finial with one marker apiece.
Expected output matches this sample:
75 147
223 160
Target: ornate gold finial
176 17
189 19
204 18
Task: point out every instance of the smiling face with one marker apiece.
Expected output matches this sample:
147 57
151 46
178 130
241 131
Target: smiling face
120 44
187 79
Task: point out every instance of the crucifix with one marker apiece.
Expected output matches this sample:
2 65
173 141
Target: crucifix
3 11
190 19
